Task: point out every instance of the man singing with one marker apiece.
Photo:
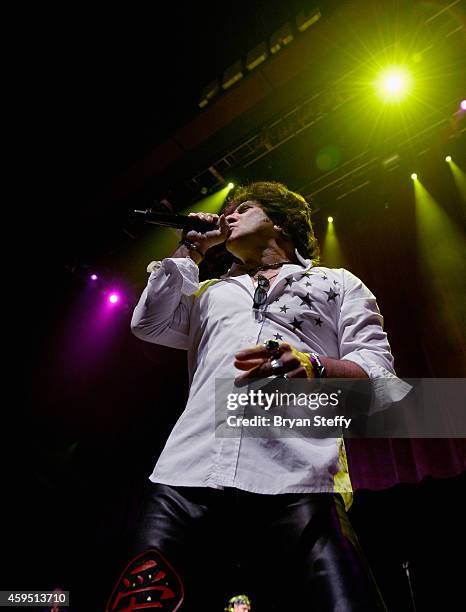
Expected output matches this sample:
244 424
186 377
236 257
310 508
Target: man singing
275 312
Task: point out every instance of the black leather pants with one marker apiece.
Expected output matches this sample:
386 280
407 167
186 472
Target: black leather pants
301 546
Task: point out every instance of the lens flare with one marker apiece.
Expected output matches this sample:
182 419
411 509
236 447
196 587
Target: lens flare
393 84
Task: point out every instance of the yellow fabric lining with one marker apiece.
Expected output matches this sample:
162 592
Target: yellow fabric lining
341 480
203 286
305 362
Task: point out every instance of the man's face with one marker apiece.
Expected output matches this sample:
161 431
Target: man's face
248 223
241 608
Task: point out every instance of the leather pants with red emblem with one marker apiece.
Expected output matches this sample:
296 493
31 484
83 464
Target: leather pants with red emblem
301 547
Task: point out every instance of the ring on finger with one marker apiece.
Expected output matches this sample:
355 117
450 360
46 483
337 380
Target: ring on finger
277 366
272 347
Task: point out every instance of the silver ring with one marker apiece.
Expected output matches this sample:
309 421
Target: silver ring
277 366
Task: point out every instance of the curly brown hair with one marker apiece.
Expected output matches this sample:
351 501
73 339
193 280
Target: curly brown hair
286 208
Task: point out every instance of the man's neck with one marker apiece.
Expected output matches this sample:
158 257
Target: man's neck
266 270
253 261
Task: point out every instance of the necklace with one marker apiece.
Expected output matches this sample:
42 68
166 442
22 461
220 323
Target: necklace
269 278
254 271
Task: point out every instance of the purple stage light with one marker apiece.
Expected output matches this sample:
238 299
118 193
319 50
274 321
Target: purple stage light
94 277
463 104
113 298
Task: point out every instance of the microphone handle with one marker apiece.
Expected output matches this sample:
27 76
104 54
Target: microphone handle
178 221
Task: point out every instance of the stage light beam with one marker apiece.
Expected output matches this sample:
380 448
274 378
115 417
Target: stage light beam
414 176
441 246
459 177
332 253
213 203
448 158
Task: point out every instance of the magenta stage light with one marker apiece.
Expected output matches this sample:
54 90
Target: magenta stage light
463 104
94 277
113 298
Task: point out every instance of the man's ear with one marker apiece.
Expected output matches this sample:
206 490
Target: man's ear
283 232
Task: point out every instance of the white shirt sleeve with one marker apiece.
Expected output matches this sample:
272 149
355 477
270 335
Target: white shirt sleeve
163 312
360 330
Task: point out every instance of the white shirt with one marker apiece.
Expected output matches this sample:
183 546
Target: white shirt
326 311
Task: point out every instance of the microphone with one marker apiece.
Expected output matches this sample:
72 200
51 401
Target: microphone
178 221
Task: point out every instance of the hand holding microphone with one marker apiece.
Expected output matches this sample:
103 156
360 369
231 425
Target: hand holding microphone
203 230
208 239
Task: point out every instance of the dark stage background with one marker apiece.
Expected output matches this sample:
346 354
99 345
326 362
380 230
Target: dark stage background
109 121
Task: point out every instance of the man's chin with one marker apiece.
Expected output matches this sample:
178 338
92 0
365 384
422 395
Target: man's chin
234 242
230 244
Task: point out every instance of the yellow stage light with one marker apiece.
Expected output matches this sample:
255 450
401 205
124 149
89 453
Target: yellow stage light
231 185
448 158
393 84
330 219
414 176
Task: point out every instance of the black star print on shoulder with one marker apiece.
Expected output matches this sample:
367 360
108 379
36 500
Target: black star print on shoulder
289 281
307 273
307 300
336 282
331 294
324 276
308 284
296 323
283 308
278 337
318 321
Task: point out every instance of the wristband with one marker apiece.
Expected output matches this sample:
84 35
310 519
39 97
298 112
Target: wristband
317 366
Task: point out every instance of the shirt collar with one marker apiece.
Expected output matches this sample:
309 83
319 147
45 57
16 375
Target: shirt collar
305 262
